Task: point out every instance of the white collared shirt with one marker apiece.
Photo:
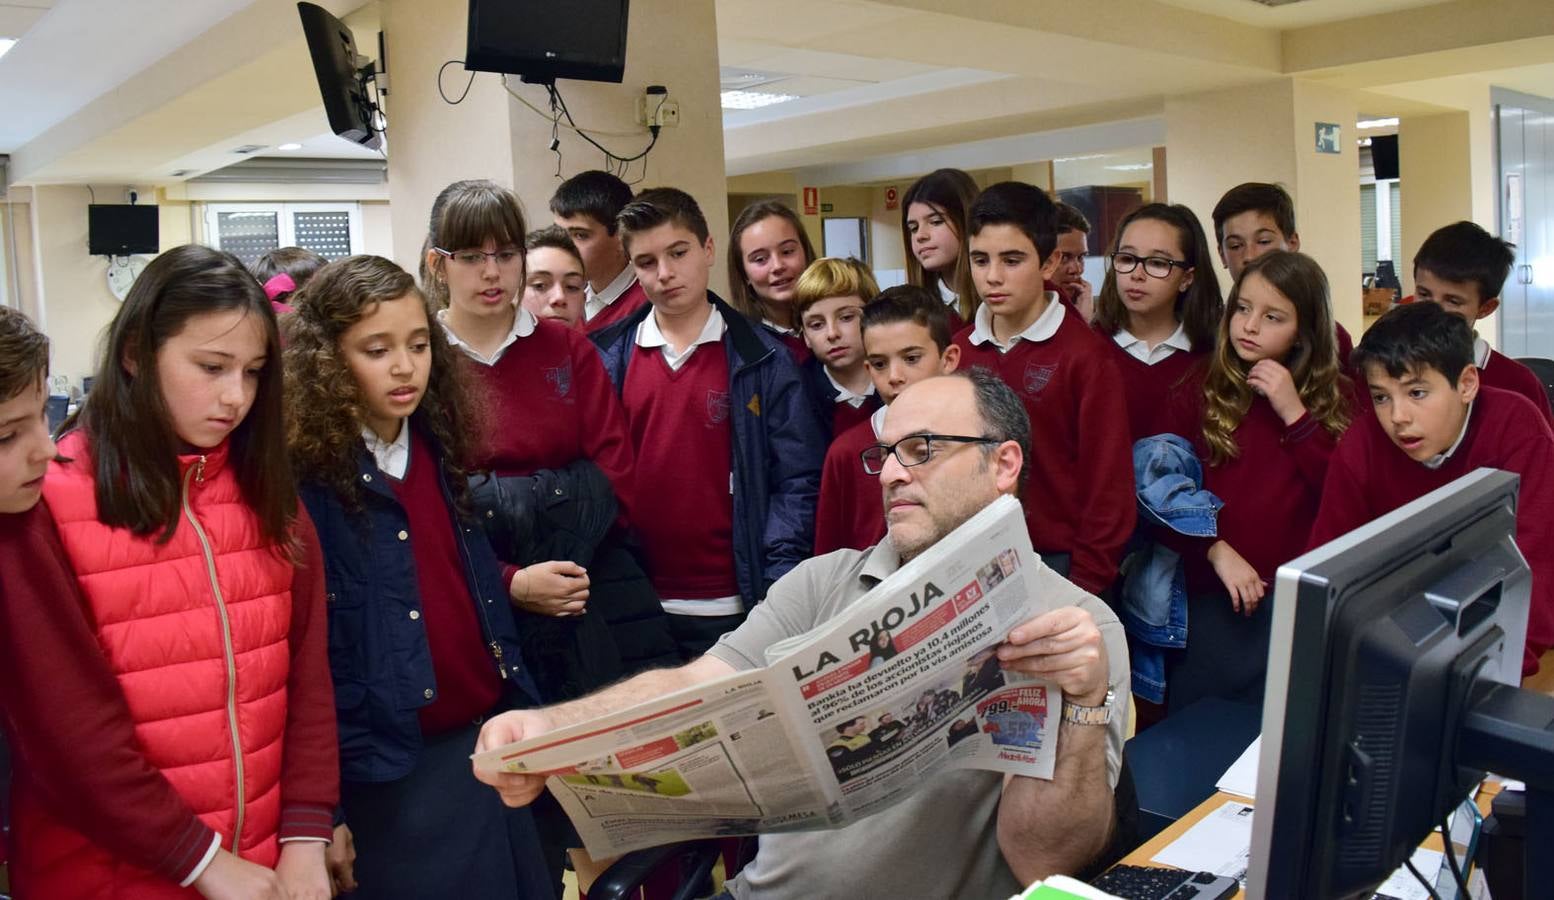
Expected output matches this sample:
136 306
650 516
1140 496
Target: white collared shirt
1140 350
846 395
948 295
392 457
524 324
650 335
1480 352
594 304
1045 326
785 332
877 420
1438 460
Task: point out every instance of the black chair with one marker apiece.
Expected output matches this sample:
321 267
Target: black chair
1544 369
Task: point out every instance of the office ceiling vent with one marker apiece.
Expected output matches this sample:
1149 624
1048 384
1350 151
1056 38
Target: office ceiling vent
246 149
1276 2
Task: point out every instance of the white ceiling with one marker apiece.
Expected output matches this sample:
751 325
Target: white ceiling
80 50
1298 14
133 90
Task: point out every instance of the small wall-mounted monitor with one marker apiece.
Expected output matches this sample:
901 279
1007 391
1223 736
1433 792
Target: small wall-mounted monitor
119 229
1384 156
350 109
542 40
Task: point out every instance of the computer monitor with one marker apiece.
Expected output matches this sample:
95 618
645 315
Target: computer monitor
342 81
1382 640
542 41
120 229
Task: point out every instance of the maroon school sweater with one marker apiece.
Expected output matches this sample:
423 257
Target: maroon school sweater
467 683
1370 476
851 512
684 442
1271 490
550 404
1503 372
630 300
1079 494
1149 388
845 416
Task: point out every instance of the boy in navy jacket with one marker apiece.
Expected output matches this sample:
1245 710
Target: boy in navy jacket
728 445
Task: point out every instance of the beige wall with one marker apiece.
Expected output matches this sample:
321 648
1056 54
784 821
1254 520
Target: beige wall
1267 132
435 143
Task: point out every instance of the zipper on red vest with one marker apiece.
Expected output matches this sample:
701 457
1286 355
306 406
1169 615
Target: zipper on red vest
196 473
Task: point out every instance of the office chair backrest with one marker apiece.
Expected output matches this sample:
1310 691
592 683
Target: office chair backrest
1544 369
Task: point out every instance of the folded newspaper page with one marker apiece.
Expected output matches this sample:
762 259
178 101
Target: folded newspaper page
842 722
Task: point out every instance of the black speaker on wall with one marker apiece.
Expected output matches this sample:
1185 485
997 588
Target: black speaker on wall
542 40
1384 156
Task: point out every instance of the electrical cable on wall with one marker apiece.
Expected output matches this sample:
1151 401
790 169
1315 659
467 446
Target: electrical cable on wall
613 162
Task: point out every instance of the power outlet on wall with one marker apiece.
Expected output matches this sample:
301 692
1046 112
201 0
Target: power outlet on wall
655 108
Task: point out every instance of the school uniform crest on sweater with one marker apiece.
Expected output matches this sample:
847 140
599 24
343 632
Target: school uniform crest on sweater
560 380
1037 377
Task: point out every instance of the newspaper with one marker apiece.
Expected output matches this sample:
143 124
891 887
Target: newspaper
842 722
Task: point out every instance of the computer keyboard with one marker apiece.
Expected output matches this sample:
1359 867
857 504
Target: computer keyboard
1148 883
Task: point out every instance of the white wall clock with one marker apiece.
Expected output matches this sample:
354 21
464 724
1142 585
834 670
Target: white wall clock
122 272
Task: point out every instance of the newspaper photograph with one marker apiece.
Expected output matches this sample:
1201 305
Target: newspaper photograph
842 722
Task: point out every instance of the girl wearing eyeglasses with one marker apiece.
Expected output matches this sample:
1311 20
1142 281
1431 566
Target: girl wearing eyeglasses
1264 416
1159 304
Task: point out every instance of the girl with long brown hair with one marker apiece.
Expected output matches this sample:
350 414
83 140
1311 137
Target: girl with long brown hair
768 250
1265 415
165 651
422 641
1160 306
933 234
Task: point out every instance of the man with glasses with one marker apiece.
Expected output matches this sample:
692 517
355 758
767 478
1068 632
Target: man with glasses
949 446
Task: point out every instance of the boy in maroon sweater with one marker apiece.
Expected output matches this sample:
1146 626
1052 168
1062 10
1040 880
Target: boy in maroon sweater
585 206
1435 422
1079 502
906 338
1463 268
1256 218
828 303
728 447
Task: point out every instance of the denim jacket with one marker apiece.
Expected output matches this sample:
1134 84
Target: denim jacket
1169 481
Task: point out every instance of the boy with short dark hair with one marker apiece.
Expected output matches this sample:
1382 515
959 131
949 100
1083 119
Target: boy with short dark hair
828 306
906 339
586 206
1435 422
1463 268
1255 218
728 445
1079 503
1069 275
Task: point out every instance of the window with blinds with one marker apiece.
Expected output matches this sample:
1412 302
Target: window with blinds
250 230
1368 229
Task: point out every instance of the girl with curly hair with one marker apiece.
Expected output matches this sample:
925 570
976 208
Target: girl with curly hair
1265 414
422 641
1160 306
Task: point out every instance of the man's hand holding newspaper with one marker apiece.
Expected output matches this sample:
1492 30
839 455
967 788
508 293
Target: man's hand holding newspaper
960 659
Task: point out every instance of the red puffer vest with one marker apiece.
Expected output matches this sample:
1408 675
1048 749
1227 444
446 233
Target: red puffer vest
196 632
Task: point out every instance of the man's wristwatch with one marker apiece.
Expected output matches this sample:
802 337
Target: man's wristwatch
1075 714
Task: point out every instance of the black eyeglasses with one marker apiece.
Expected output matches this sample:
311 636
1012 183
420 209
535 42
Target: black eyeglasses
913 450
1155 266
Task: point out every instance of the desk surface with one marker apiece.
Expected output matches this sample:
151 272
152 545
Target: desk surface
1147 850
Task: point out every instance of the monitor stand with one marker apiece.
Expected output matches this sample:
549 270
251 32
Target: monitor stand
1510 731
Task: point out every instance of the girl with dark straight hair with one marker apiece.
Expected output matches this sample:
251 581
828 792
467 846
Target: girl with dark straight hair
175 598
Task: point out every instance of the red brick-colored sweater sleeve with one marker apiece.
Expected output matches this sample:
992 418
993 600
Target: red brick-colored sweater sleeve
85 767
1108 508
310 771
